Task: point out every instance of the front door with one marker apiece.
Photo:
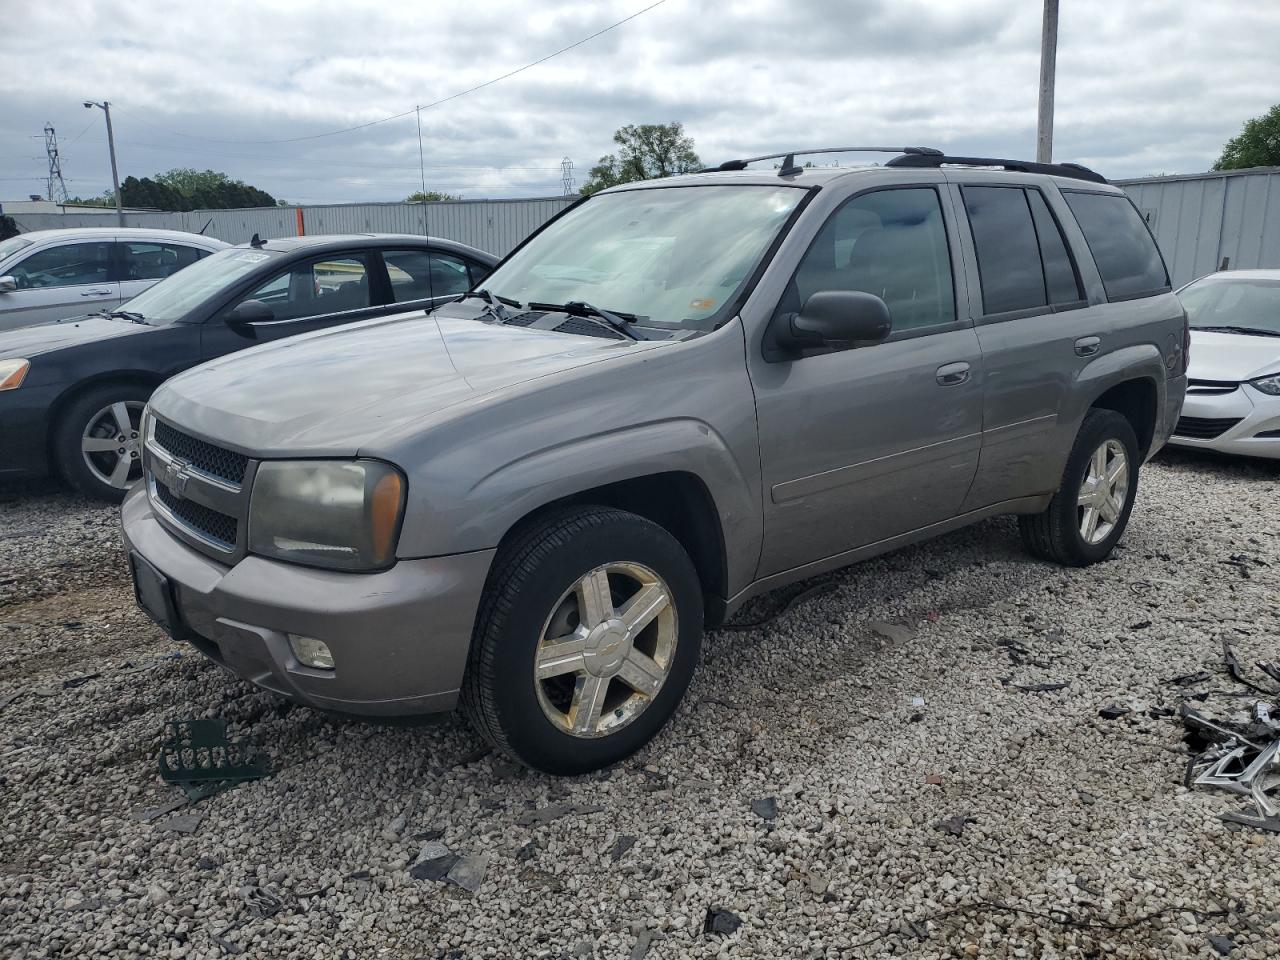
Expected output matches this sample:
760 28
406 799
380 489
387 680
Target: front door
67 280
860 445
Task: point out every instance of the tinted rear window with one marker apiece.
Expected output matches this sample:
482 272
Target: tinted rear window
1121 244
1008 254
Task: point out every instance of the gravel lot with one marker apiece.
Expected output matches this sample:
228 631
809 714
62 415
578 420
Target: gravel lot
1078 828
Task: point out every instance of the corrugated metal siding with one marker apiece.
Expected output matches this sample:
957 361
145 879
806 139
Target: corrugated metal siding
492 225
1200 220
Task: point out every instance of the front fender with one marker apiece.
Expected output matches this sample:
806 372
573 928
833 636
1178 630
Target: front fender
502 497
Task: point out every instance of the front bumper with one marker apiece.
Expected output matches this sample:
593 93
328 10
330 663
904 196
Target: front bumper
24 430
399 638
1239 421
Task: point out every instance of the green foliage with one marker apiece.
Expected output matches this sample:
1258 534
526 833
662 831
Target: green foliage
8 228
187 189
646 151
108 199
431 195
1257 145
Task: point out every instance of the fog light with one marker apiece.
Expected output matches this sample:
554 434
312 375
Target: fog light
311 652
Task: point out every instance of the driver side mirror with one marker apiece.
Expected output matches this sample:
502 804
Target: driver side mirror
248 312
8 283
829 318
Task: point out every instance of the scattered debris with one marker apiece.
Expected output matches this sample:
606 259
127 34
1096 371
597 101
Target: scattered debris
1041 687
720 921
147 814
528 851
554 811
954 825
1114 712
1190 679
917 701
766 808
1237 672
183 823
1140 625
73 682
1224 945
198 757
621 846
261 903
643 939
468 872
434 868
895 632
933 779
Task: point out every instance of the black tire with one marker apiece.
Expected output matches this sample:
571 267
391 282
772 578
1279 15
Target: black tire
70 428
1055 534
530 575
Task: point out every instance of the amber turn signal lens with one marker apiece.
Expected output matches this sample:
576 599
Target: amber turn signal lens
385 505
12 373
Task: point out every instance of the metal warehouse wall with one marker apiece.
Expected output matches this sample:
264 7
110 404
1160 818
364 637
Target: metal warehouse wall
1201 219
492 225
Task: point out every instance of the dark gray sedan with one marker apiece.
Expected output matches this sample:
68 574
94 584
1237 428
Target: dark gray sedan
72 391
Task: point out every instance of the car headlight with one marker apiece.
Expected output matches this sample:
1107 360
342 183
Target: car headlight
340 514
1269 385
12 373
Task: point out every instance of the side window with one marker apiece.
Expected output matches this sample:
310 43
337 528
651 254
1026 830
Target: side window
410 274
154 261
478 272
1008 252
892 243
64 266
1060 280
311 289
448 276
1127 258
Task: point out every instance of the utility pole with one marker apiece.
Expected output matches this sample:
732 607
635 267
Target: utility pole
566 175
1048 67
105 107
57 186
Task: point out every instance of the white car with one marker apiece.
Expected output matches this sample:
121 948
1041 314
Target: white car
53 274
1233 390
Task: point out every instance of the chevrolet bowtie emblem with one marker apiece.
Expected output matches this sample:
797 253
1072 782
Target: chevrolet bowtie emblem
175 477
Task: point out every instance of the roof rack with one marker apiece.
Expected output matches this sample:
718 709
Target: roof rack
788 159
936 159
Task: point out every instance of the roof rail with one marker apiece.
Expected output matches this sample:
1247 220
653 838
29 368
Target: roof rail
1073 170
789 167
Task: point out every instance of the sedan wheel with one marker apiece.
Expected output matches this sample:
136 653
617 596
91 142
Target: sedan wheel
111 444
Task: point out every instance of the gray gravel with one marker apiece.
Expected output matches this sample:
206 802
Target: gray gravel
972 824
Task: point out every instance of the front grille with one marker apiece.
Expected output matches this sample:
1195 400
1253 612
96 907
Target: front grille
208 523
214 460
1203 428
1211 388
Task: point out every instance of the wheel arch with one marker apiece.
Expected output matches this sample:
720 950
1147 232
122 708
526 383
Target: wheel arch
1130 381
1138 401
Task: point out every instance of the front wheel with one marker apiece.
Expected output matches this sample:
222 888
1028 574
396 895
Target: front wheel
1089 513
587 637
97 440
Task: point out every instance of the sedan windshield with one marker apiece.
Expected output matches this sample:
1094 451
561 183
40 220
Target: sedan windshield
174 297
672 256
1244 305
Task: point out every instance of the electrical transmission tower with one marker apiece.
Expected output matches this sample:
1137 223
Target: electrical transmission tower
566 175
57 186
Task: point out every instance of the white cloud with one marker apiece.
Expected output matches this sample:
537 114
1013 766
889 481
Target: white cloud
1143 86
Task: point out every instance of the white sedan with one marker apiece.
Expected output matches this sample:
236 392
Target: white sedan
54 274
1233 390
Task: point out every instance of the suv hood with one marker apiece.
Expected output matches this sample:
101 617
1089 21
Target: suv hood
332 392
1232 356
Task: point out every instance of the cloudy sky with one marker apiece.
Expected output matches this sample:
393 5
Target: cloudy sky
250 88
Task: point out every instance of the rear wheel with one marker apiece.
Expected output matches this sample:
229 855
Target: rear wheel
587 637
97 441
1090 511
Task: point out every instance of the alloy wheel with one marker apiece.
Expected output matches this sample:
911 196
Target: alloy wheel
1103 492
111 443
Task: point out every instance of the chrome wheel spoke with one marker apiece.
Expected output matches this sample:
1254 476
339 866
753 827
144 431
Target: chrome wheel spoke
99 444
588 703
641 673
1118 474
1089 522
638 612
595 604
561 656
1098 468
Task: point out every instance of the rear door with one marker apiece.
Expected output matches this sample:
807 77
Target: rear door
60 281
311 294
1036 327
860 445
427 278
140 263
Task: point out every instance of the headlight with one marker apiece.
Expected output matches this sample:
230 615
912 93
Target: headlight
344 515
12 373
1270 385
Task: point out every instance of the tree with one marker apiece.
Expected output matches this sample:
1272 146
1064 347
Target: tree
211 190
1257 145
429 197
646 151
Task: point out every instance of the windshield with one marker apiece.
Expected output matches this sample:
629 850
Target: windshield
174 297
11 246
670 255
1253 304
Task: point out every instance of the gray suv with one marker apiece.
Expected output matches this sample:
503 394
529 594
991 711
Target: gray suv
674 396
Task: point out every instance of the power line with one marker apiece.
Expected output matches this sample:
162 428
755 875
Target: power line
425 106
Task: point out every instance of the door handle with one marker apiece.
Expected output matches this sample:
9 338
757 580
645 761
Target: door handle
952 374
1088 346
94 293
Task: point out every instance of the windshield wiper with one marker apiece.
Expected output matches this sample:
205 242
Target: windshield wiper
1258 331
131 315
576 308
493 304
